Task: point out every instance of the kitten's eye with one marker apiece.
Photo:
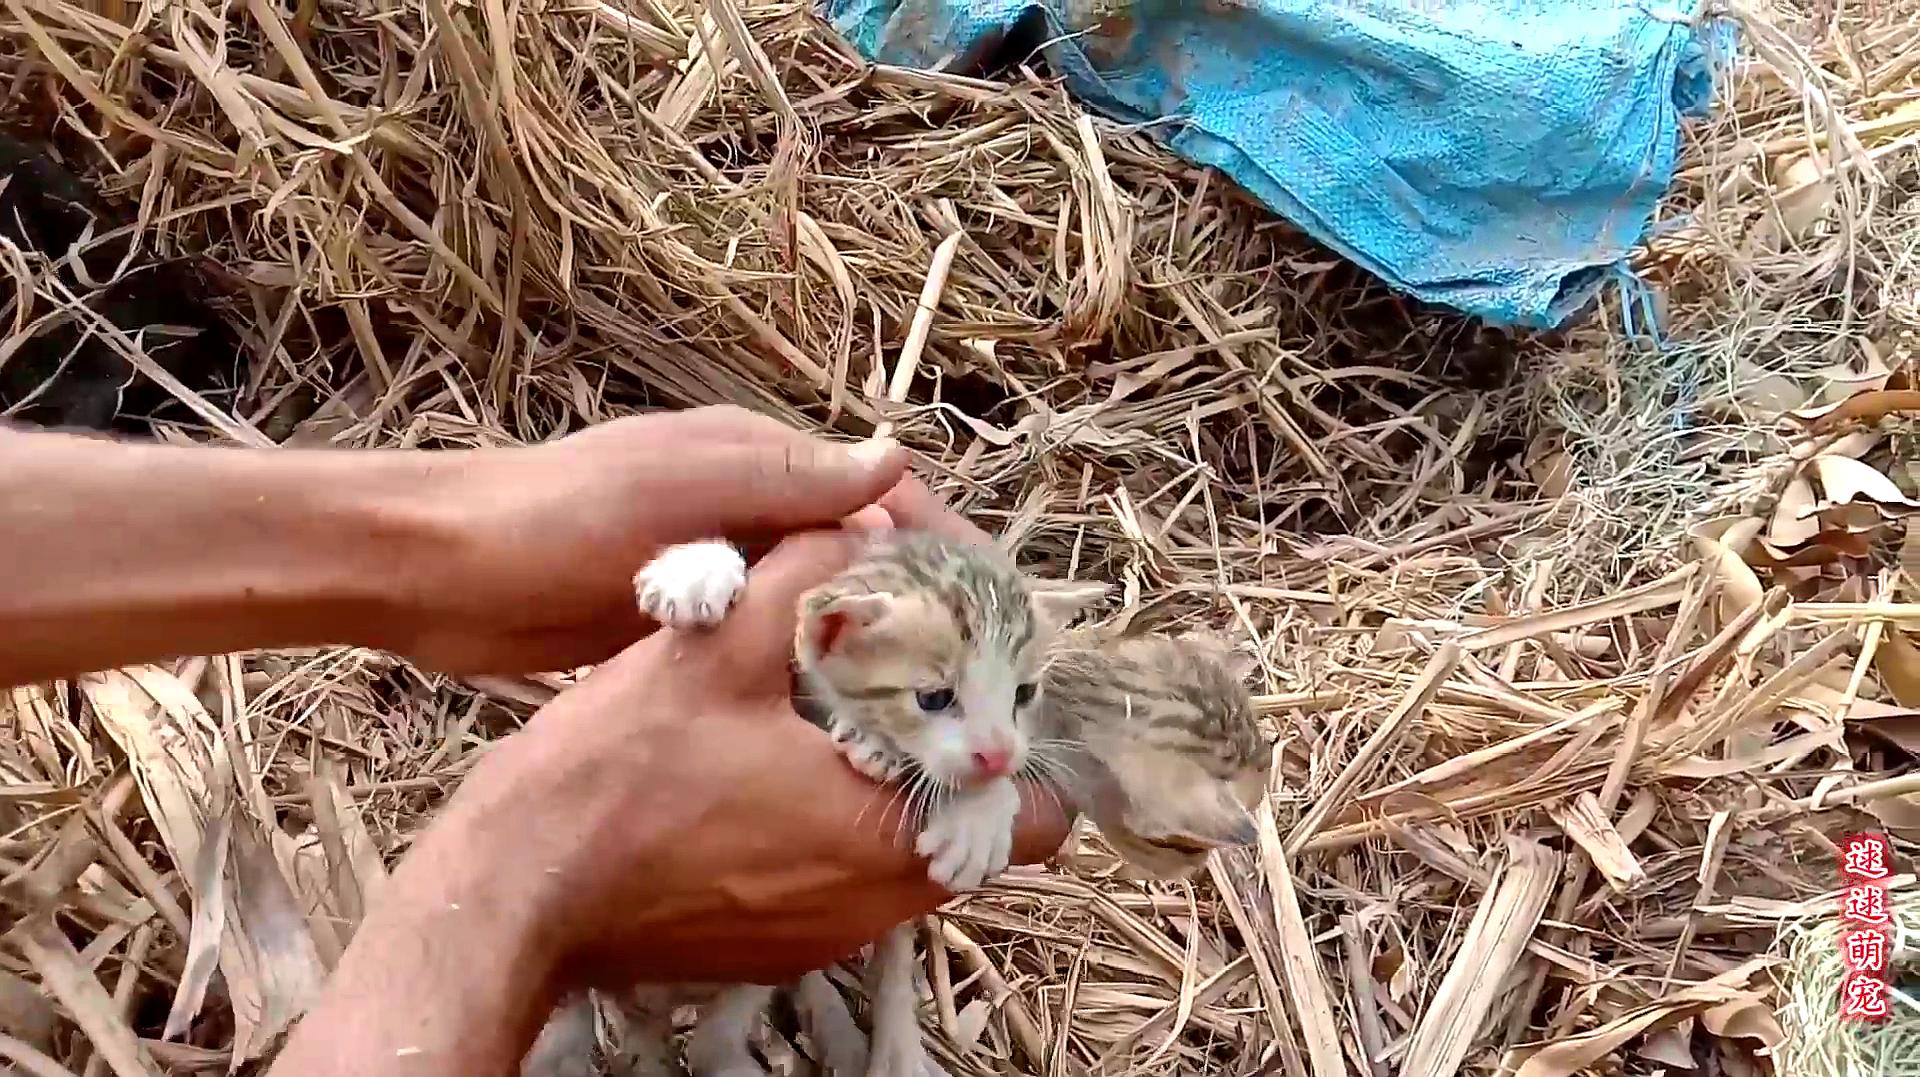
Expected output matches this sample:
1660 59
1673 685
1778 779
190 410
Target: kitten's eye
1023 695
937 699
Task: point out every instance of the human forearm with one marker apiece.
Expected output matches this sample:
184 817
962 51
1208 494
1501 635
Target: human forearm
450 975
113 552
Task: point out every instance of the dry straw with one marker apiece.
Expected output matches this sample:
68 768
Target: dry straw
1822 1042
1570 700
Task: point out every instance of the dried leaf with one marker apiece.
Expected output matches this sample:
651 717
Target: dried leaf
1843 479
1573 1054
1744 1018
210 902
1791 524
1828 547
1899 814
1868 407
1808 197
1669 1046
1583 821
1739 587
268 963
1859 518
1495 939
1898 661
1900 731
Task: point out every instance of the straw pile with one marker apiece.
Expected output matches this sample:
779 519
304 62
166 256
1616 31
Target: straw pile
1572 695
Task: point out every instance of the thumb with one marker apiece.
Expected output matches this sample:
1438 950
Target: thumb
757 636
773 486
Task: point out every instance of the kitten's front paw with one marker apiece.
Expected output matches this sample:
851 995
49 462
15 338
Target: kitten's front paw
970 838
897 1052
867 755
691 585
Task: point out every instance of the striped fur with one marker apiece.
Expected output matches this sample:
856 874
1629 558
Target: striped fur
1159 745
921 615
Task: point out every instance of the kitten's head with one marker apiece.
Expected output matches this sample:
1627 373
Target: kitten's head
1185 767
934 647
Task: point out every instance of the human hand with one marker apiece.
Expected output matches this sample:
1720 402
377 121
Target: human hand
533 566
671 818
911 505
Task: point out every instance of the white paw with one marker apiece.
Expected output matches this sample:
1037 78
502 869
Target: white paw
691 585
897 1053
970 838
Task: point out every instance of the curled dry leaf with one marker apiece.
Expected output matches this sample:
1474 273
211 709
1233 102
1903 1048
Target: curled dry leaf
1868 407
1807 199
1747 1017
1717 541
1898 661
1671 1047
1792 524
1735 1010
1844 480
1852 518
1828 547
1842 382
1899 814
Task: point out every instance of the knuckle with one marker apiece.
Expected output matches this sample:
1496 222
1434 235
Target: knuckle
720 411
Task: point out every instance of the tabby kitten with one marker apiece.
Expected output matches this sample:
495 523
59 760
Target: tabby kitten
1152 737
1161 745
933 663
922 660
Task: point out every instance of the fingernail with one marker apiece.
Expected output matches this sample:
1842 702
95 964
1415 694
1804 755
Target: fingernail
873 452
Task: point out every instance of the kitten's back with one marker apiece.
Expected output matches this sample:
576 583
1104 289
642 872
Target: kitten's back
1173 692
1171 761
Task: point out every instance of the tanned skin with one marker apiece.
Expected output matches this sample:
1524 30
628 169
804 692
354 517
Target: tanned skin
670 818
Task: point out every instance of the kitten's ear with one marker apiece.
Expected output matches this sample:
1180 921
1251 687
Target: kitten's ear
1239 664
1243 666
1056 605
827 624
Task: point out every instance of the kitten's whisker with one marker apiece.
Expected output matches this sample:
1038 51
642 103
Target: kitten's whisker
1053 768
915 786
873 797
900 789
1056 791
1053 792
928 795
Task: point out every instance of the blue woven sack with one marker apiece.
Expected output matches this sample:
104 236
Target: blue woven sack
1501 158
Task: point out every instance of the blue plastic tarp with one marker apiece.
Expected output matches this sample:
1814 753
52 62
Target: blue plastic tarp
1500 158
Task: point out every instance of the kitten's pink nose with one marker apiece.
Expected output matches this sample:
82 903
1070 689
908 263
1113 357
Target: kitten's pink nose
993 762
